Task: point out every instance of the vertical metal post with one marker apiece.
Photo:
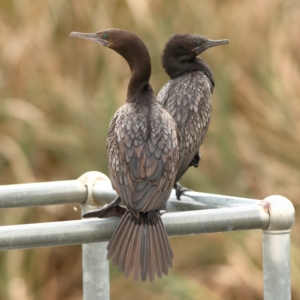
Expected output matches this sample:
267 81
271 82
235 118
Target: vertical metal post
276 248
95 265
276 264
95 269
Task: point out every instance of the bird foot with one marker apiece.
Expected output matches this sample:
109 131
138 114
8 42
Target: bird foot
111 210
180 190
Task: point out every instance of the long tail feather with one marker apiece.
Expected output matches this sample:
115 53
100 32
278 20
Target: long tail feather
141 246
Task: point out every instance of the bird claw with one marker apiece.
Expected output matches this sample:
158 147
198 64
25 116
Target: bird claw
180 190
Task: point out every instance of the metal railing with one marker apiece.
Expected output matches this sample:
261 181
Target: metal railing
196 213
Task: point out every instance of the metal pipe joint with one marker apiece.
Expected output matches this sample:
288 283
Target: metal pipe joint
281 211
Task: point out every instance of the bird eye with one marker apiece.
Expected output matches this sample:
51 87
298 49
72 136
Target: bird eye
198 43
104 36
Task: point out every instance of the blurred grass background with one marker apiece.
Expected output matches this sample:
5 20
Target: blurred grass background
57 95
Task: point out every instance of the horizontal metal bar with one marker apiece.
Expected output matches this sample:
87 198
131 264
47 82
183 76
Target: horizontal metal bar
43 193
100 230
103 193
71 191
74 191
219 201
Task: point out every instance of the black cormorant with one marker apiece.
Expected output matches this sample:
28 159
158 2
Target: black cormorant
187 95
143 156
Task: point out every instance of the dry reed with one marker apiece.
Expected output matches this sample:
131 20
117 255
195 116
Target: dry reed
58 95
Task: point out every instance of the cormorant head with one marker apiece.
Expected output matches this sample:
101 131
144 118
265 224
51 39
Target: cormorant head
126 43
190 45
132 48
181 51
112 38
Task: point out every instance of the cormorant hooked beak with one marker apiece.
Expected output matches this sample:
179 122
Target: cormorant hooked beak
90 36
209 44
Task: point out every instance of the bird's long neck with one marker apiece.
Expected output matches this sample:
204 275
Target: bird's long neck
139 81
140 65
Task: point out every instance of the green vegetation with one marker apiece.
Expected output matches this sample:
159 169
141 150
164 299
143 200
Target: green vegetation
57 97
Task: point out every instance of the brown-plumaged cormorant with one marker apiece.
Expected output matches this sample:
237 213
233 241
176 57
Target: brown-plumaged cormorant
187 95
143 156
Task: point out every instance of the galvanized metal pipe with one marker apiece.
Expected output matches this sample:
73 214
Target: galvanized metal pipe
210 201
43 193
95 268
276 248
275 215
276 265
70 191
74 191
100 230
104 193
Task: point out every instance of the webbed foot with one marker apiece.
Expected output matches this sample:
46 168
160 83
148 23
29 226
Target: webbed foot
180 190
